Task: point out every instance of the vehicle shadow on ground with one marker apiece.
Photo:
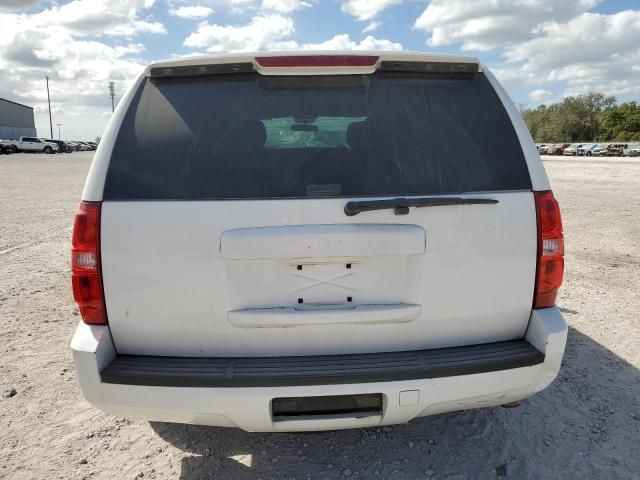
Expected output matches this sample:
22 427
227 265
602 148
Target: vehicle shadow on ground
585 425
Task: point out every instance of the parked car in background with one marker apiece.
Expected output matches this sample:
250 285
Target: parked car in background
81 146
601 150
62 146
279 286
572 149
542 149
587 149
93 145
557 149
34 144
617 149
6 147
549 149
632 151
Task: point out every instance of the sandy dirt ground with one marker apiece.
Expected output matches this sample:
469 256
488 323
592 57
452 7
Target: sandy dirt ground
586 425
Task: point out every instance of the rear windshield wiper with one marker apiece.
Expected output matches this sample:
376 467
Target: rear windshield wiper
401 205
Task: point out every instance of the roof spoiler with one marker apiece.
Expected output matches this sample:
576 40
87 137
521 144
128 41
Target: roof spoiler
314 64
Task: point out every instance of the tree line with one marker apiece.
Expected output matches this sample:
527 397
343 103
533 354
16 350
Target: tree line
592 117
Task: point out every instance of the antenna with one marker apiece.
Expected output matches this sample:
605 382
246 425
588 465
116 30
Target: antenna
112 94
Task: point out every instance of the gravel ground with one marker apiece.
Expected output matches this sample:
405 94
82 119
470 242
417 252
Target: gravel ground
586 425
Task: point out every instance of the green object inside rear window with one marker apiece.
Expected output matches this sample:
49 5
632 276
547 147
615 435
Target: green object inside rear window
318 132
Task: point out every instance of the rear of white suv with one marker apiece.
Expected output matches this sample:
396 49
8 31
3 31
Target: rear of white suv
316 241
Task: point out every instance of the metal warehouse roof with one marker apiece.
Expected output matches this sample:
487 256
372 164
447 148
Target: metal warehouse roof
16 103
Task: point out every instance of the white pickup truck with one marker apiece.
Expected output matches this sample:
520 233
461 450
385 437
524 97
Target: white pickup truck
34 144
313 241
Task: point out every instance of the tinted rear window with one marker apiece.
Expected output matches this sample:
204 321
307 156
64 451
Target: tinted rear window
252 136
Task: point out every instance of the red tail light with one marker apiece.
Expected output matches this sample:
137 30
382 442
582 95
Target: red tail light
318 61
550 267
86 273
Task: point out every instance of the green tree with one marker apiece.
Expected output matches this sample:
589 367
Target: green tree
584 118
621 123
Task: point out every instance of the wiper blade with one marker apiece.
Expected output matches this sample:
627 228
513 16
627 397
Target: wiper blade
401 205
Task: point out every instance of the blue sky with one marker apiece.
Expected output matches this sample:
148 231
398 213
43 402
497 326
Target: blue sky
542 50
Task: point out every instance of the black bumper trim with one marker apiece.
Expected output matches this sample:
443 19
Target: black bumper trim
320 369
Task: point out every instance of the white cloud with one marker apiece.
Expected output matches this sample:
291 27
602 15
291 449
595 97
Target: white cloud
372 26
344 42
540 95
367 9
79 69
95 17
9 5
106 17
486 24
191 12
254 7
617 88
284 6
78 73
273 32
262 32
617 75
550 46
512 77
63 43
618 67
586 38
590 52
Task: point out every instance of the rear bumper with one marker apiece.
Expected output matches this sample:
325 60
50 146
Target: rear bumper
122 387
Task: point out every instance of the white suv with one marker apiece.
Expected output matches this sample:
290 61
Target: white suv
315 241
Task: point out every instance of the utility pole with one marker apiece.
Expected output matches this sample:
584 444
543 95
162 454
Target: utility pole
112 94
49 101
58 124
